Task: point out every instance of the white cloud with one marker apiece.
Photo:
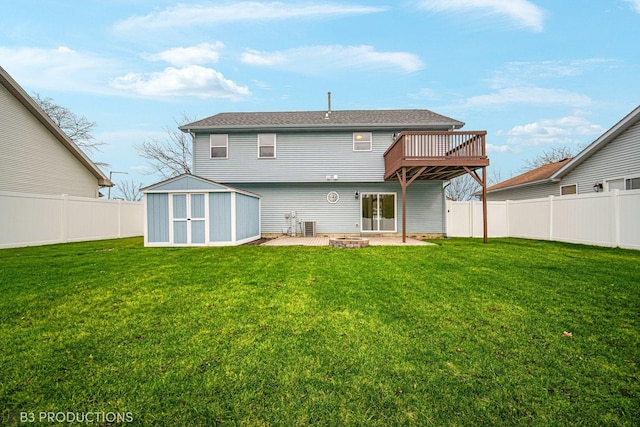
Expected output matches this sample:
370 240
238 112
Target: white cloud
566 130
203 53
193 80
60 68
323 59
499 148
521 13
635 4
211 13
530 95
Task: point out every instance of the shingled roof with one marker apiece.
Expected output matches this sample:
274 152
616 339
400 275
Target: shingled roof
542 173
371 119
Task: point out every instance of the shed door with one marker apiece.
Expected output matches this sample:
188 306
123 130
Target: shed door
189 219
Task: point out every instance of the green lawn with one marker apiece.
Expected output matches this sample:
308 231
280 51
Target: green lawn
456 334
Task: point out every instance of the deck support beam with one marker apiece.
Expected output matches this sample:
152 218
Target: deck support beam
402 178
483 183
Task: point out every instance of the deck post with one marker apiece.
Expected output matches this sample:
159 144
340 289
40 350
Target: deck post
403 184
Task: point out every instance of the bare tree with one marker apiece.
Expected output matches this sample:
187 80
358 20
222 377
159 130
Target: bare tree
464 187
169 156
552 155
128 190
78 128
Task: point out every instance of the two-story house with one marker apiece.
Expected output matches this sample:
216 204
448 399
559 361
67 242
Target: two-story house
338 172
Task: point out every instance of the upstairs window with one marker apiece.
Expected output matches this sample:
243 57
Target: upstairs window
267 145
219 146
362 141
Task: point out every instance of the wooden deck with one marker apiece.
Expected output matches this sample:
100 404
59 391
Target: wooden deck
437 156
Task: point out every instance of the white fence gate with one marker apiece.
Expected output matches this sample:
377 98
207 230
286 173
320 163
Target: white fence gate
603 219
35 219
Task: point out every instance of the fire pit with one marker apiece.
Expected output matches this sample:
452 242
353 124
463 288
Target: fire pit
348 242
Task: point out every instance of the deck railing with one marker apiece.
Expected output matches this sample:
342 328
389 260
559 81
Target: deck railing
440 146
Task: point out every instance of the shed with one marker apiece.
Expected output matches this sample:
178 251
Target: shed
188 210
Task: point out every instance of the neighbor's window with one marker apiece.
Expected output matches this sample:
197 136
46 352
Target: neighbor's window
632 183
568 189
219 146
362 141
267 145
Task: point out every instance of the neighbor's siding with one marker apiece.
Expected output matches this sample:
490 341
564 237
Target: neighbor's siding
425 212
157 218
534 191
619 158
301 157
32 160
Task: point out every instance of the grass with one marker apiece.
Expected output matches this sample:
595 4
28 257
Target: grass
457 334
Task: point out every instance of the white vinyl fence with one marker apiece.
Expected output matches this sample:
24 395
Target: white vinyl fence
35 219
603 219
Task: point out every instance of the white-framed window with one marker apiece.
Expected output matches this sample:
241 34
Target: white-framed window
624 183
632 183
266 145
362 141
568 189
219 144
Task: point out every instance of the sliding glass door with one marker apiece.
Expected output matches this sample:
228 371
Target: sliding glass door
378 212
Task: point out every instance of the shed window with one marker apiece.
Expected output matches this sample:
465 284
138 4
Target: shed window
569 189
267 145
219 146
362 141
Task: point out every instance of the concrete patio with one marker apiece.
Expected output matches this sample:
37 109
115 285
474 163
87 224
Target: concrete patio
324 241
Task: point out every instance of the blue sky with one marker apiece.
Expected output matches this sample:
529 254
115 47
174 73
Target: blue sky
534 74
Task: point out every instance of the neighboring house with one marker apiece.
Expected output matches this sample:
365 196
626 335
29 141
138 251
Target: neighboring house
35 154
339 172
611 162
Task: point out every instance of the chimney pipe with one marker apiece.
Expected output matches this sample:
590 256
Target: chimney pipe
329 101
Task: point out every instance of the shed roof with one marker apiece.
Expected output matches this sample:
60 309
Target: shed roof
391 119
187 182
14 88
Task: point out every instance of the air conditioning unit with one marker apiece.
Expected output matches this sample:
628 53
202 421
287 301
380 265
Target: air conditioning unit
309 228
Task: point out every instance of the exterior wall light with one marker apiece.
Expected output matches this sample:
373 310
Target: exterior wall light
357 195
597 187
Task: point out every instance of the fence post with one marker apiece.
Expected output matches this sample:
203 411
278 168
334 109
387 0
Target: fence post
64 220
551 217
615 199
471 218
119 218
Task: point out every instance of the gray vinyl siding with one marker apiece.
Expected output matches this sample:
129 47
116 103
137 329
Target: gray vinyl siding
301 157
247 217
533 191
158 218
619 158
220 217
425 210
32 160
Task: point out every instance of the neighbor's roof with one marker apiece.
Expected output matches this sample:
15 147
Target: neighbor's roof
311 120
542 173
625 123
14 88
